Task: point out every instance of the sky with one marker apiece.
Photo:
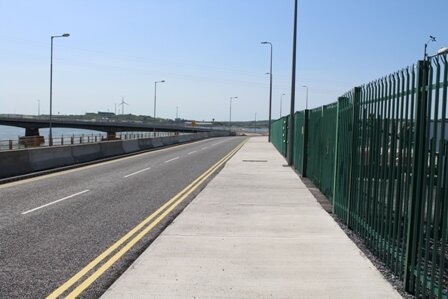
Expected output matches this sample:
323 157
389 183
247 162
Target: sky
206 50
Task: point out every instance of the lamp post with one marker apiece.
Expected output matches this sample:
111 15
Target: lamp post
155 96
230 113
50 141
281 104
255 123
431 39
270 92
306 102
155 101
293 91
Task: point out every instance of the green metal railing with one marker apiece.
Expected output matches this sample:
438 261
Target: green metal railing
380 154
299 142
279 134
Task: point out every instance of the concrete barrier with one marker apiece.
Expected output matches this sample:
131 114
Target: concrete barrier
14 163
20 162
131 146
45 158
112 148
145 143
86 152
157 142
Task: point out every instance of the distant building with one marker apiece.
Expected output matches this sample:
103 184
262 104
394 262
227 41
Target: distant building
106 114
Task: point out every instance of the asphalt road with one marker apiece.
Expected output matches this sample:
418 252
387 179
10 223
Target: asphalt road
52 226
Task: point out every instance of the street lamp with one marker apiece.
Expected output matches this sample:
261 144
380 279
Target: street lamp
306 103
155 96
50 141
431 39
230 114
293 90
281 103
155 101
270 92
441 51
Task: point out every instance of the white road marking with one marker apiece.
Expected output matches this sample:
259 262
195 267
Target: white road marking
217 143
59 200
192 152
126 176
171 160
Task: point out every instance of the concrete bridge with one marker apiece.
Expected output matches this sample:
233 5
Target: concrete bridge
32 126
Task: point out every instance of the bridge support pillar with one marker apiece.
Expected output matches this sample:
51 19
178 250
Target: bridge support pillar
111 135
31 138
32 132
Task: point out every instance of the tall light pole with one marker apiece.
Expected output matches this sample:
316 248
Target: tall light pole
293 91
38 107
155 102
306 102
281 104
255 123
230 113
431 39
155 96
50 141
270 92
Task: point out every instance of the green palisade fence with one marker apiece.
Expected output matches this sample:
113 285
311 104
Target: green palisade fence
380 154
279 134
320 147
299 141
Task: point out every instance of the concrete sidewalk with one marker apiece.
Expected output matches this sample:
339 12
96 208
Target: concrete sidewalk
254 232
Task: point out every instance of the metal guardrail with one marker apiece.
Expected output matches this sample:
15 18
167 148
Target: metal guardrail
34 141
380 153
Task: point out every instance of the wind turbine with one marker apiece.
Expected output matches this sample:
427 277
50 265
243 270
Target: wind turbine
122 105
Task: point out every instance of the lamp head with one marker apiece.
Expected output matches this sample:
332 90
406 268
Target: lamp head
442 51
66 35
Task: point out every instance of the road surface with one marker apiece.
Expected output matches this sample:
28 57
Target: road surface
52 226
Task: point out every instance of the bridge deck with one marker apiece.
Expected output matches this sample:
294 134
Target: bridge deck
33 125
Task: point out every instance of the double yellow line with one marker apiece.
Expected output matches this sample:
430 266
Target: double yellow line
133 236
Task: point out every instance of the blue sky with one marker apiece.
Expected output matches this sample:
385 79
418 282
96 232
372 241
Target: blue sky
206 50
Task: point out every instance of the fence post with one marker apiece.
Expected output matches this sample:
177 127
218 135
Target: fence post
353 161
336 156
417 196
305 141
286 136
